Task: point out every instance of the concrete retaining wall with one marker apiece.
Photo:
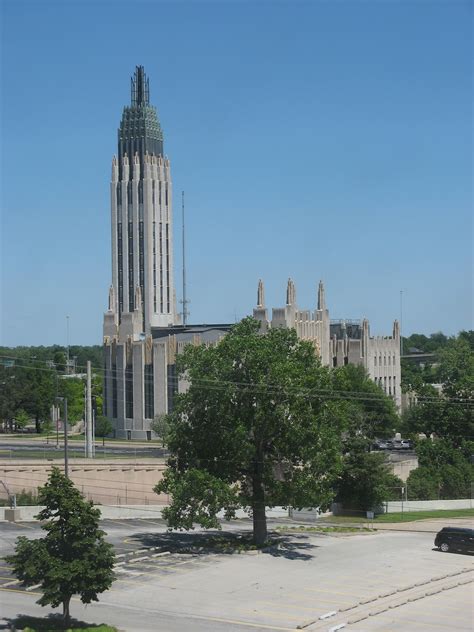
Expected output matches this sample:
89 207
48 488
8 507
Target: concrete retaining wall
403 467
426 505
105 481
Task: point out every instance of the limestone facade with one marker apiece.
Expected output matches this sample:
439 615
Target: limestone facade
338 342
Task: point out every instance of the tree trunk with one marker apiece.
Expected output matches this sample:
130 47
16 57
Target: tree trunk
66 615
258 503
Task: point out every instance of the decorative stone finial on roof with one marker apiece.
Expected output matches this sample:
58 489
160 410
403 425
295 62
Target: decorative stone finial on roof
290 293
260 294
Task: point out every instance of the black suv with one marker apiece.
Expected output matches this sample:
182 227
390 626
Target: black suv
455 539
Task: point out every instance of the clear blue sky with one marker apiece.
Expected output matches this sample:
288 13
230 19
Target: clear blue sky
314 140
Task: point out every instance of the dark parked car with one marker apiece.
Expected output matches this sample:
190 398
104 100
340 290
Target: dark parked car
455 539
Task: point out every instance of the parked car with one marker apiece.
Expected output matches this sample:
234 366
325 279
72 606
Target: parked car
455 539
406 444
380 444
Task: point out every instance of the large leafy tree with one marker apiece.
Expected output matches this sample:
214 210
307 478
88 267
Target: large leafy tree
73 558
256 428
371 413
31 387
366 481
444 470
449 414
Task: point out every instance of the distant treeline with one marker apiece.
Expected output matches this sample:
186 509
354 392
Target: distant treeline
57 354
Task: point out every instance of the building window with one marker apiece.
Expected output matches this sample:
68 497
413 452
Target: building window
129 391
385 360
385 384
161 266
149 408
393 360
389 360
104 401
168 296
375 360
114 390
120 267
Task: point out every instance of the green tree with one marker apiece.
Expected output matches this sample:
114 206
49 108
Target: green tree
423 483
161 427
73 389
47 428
449 414
444 470
103 427
255 429
371 413
366 481
21 419
73 558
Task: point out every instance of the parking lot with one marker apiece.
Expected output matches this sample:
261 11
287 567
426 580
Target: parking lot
382 581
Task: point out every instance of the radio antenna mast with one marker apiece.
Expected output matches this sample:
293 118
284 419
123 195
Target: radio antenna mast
184 301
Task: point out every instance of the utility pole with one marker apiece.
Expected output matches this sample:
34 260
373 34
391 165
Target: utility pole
89 454
65 427
185 301
67 345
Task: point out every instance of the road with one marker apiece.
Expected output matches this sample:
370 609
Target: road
36 447
384 581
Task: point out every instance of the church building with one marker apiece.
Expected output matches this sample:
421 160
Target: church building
143 332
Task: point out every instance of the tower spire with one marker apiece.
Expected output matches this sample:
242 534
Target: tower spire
140 88
321 296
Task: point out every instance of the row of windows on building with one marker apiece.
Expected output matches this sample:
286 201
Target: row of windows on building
389 384
387 359
128 392
158 194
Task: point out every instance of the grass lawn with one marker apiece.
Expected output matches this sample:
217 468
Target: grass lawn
406 516
325 529
55 622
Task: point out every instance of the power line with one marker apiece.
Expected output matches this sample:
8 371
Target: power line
276 388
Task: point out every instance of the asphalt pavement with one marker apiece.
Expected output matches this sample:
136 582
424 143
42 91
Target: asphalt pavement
367 581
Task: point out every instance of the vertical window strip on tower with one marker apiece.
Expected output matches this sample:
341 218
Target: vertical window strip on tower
120 266
167 270
131 293
149 395
154 267
105 406
141 258
129 391
114 389
161 267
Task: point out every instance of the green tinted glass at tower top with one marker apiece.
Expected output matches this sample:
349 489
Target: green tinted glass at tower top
140 130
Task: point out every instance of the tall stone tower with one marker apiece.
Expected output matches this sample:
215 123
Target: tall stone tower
142 294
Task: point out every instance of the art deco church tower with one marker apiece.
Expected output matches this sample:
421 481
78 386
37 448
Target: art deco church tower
142 293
